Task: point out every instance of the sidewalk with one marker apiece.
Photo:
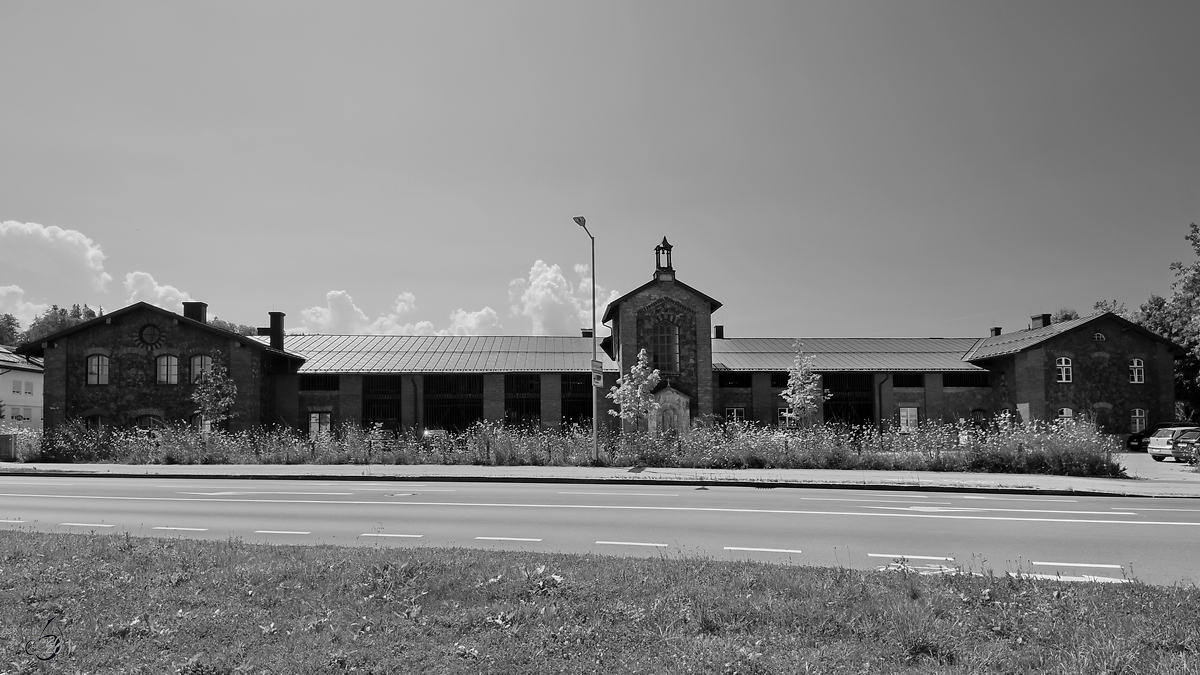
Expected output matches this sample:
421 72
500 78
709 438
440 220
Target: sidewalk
1150 479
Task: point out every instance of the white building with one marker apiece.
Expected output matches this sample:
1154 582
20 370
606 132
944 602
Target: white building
21 388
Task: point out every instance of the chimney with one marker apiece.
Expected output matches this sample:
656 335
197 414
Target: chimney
196 311
1040 320
997 331
587 332
277 330
720 332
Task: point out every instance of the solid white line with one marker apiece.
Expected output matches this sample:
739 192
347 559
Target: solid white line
907 557
279 532
622 494
616 507
507 539
1062 564
184 529
872 501
630 543
764 550
1022 499
1134 508
1059 577
377 534
11 521
27 482
243 494
974 508
85 525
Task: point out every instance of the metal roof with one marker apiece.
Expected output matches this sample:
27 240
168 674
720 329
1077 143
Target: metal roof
1011 343
444 354
18 362
845 354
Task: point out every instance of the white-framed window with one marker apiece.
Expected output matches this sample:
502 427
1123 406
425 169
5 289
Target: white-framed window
1065 414
168 369
97 369
1137 421
29 388
318 423
1062 366
1137 371
735 414
784 417
909 420
201 367
1098 337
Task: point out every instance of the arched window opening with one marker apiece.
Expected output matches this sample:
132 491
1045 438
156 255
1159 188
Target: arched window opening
97 369
1137 371
1063 367
168 369
1098 337
150 422
1065 414
665 344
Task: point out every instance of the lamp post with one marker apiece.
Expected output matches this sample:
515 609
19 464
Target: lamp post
582 222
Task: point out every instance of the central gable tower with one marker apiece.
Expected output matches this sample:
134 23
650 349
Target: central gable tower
672 322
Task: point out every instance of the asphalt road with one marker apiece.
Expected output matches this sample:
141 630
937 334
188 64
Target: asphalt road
1154 540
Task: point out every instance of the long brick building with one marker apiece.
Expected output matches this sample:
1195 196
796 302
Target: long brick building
138 365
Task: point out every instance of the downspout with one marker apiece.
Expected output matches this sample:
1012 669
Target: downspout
879 398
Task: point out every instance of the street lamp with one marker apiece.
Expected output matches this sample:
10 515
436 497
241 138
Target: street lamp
582 222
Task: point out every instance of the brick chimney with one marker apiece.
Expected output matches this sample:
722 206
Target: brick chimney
997 331
196 311
1040 320
277 330
720 332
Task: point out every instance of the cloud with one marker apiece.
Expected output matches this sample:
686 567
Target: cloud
54 261
553 303
143 288
12 301
340 316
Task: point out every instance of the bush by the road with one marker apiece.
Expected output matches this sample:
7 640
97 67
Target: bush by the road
1070 448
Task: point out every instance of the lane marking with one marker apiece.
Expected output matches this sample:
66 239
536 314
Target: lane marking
631 543
279 532
507 539
243 494
1063 564
27 482
764 550
1022 499
85 525
909 557
1179 510
380 534
184 529
967 509
11 521
872 501
618 507
622 494
1059 577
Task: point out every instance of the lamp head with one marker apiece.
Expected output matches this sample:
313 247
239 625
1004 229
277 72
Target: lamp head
580 221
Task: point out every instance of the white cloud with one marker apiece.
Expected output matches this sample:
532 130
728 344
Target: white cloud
341 316
143 288
12 301
55 265
553 303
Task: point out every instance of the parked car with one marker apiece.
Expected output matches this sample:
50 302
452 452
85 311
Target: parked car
1186 446
1139 442
1162 442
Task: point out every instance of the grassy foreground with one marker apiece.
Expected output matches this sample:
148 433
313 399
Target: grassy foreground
122 604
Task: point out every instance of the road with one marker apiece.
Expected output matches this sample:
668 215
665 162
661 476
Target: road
1151 539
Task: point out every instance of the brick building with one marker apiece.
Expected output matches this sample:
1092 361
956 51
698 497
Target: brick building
135 366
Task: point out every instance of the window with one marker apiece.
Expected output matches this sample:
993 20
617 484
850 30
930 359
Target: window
1065 414
1098 337
666 347
1137 421
735 414
971 379
1063 367
734 380
200 424
908 420
779 380
201 367
168 369
29 388
522 398
16 386
784 418
97 369
908 379
318 423
150 422
320 382
1137 371
95 422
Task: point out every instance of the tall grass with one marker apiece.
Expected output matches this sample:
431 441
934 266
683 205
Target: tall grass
1073 448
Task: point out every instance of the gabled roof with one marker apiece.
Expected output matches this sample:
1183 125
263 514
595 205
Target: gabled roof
444 354
1011 343
35 348
713 305
877 355
11 361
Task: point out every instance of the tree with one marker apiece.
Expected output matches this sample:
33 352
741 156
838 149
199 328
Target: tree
10 329
239 328
1113 306
51 321
215 392
803 393
634 393
1064 314
1176 318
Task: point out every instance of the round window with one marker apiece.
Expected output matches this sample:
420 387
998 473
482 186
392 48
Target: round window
150 335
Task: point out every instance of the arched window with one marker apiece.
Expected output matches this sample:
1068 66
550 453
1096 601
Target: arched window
201 367
97 369
1137 371
168 369
150 422
1098 337
1137 421
1065 414
666 347
1063 367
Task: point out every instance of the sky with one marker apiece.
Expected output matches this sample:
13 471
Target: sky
822 169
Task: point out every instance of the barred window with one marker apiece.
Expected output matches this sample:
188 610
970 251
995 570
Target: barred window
97 369
1137 371
1062 366
971 379
168 369
779 380
908 379
320 382
734 380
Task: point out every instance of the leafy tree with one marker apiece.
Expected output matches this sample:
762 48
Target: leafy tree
51 321
634 393
239 328
803 393
215 392
1178 319
1064 314
10 329
1113 306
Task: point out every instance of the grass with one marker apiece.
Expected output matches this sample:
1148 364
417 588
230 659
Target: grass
123 604
1071 449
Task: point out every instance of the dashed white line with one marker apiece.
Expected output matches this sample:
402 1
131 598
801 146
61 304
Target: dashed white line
1066 564
507 539
631 543
382 534
622 494
908 557
279 532
85 525
764 550
184 529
